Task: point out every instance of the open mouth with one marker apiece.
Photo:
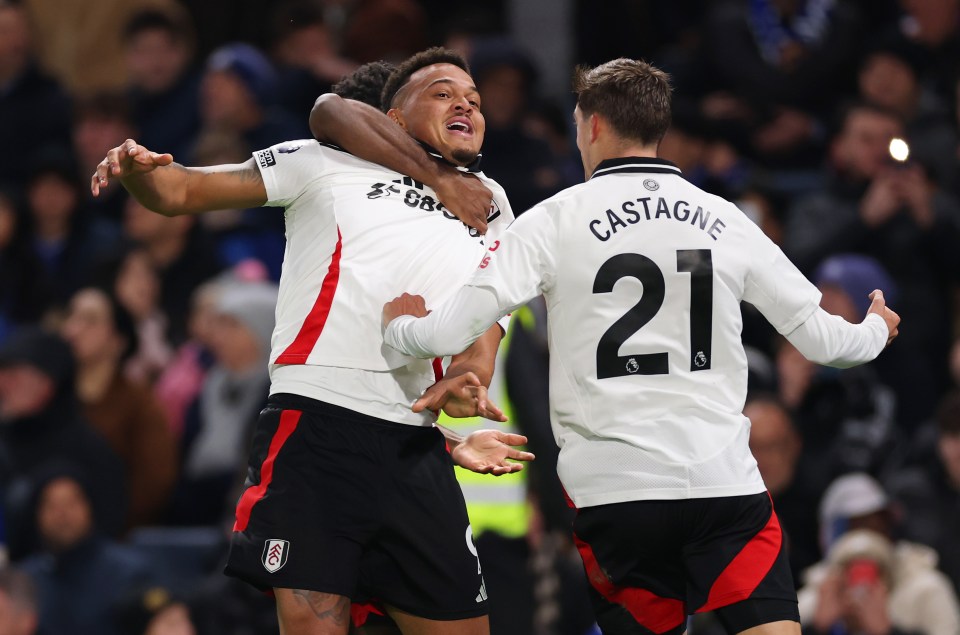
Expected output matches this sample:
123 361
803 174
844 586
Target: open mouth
460 125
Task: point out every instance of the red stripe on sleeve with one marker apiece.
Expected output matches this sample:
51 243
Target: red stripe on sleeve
288 423
651 611
748 568
299 350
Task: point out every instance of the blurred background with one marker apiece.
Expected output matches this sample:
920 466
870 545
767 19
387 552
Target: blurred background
133 347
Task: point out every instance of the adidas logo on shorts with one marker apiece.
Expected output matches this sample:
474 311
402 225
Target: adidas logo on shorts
482 596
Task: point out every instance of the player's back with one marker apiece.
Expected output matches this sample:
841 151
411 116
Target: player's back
648 372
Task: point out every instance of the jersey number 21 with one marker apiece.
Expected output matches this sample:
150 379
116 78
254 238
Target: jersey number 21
699 264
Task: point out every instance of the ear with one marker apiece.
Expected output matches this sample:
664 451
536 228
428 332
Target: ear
397 116
595 127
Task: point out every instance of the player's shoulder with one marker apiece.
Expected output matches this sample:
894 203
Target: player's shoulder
565 197
312 149
703 197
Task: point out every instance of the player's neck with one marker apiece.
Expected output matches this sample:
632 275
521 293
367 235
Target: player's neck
606 149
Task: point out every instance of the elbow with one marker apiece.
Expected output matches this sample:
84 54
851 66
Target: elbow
323 115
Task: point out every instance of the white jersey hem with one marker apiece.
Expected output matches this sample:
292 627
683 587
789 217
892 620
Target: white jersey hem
607 498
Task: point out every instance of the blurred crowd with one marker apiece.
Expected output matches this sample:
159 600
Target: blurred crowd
133 347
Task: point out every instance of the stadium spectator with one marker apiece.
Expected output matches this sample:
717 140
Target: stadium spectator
890 76
75 554
102 335
389 30
137 286
42 422
929 492
523 164
904 592
100 122
932 29
154 610
34 109
239 92
898 216
83 46
306 55
220 423
66 242
164 85
868 584
21 299
180 383
181 253
777 68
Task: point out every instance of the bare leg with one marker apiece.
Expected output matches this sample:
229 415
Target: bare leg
785 627
413 625
312 613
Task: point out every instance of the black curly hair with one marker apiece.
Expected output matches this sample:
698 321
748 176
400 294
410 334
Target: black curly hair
366 83
429 57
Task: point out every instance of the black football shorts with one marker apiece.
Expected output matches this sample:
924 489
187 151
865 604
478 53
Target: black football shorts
652 563
340 502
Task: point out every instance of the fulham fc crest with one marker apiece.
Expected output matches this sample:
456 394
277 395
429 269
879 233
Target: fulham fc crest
275 554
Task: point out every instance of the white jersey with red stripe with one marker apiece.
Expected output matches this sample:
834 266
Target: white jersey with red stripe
359 234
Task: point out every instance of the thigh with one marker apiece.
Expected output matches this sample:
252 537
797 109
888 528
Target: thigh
414 625
310 502
424 561
737 557
302 612
631 555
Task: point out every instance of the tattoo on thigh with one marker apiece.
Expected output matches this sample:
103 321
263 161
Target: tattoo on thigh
326 606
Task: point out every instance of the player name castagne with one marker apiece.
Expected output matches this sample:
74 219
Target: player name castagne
630 213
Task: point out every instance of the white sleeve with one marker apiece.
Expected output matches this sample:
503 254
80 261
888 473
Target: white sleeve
288 167
776 287
514 271
448 330
832 341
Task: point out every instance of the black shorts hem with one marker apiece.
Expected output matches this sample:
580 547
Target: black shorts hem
259 582
740 616
440 616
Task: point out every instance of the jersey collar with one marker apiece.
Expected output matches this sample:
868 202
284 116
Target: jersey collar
472 167
623 165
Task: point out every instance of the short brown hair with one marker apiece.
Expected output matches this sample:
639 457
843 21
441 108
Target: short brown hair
632 95
429 57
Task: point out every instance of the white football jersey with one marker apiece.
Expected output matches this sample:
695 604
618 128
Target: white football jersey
643 274
359 234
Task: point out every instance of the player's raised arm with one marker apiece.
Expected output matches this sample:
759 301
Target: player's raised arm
369 134
171 189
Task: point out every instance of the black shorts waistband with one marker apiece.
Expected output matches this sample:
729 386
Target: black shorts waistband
334 413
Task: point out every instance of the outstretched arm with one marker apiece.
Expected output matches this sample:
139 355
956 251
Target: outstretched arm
454 326
171 189
369 134
832 341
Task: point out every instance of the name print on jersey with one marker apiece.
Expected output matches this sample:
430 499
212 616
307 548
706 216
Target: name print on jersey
677 210
415 198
